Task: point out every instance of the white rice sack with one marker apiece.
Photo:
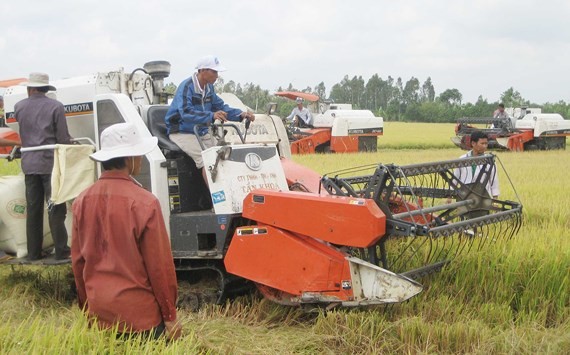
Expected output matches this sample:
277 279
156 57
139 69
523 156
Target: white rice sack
13 217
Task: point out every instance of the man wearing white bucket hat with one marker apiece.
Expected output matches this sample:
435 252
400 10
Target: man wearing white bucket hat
41 121
196 102
120 250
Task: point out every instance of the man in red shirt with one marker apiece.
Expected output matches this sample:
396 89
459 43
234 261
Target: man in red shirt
120 250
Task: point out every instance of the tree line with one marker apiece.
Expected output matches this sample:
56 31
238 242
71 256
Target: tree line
392 99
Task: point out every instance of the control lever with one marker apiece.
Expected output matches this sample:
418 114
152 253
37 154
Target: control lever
15 151
247 124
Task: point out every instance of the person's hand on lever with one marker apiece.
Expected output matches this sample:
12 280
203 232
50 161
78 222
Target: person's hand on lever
220 115
248 115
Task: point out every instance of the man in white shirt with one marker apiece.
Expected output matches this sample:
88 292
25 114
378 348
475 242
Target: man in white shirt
500 112
467 175
499 115
301 116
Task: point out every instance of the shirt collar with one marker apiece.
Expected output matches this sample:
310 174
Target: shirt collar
197 87
119 175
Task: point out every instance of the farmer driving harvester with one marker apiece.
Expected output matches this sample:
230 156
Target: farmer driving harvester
196 102
301 116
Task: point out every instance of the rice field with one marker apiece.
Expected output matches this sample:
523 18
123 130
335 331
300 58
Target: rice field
513 298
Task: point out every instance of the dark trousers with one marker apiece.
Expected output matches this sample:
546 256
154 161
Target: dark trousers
154 333
38 190
302 124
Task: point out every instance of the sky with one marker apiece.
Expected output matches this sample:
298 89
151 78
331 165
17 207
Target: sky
480 47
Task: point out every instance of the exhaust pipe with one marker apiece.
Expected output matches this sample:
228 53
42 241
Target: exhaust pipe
158 70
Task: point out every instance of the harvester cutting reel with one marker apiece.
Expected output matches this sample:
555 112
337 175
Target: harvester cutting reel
434 211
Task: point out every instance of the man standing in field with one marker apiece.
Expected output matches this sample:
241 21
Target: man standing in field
467 175
42 122
120 251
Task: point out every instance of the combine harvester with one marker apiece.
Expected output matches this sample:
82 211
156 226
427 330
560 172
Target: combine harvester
7 133
360 237
336 127
525 129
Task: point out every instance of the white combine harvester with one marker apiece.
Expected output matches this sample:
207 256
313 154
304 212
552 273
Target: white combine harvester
336 127
524 129
266 222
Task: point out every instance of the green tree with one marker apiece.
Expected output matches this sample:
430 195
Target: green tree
337 93
434 111
321 91
373 89
254 97
451 97
411 92
340 92
427 91
230 87
560 107
513 98
396 103
219 85
349 91
170 88
357 91
481 108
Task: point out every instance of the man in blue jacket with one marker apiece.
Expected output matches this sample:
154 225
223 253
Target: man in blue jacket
196 102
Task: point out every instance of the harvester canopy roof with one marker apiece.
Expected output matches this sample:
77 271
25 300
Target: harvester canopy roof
11 82
293 95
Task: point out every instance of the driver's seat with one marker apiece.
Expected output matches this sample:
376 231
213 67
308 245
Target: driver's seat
157 127
193 194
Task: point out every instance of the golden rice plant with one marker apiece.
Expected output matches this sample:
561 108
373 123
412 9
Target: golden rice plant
509 299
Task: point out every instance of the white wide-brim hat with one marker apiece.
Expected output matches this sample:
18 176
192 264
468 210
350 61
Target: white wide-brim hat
210 62
123 140
38 80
